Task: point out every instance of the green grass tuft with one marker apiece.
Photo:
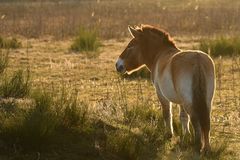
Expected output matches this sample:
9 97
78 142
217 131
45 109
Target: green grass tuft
222 46
9 43
141 135
86 41
40 122
4 59
74 112
18 86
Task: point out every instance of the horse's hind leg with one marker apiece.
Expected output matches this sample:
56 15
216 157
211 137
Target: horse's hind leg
206 148
184 120
185 124
197 131
206 134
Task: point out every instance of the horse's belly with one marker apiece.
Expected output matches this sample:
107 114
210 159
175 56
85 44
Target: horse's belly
168 91
166 87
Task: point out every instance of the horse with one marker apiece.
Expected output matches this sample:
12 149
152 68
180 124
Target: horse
182 77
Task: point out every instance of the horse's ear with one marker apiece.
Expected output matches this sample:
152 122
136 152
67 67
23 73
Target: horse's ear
134 32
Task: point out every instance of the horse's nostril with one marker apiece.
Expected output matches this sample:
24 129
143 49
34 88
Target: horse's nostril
120 65
120 68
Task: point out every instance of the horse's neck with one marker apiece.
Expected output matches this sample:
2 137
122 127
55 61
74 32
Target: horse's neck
163 57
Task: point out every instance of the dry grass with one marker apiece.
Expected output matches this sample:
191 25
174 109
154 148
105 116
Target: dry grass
123 112
221 46
107 94
62 19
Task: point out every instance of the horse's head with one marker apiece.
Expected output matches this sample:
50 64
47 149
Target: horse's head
146 44
131 57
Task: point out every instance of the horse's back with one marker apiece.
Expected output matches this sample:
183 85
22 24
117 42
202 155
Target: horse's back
185 62
175 79
183 67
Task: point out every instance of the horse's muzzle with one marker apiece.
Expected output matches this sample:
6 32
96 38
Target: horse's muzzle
120 66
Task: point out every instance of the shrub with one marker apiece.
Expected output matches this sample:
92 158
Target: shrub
3 61
41 122
74 114
221 46
9 43
10 122
18 86
141 135
86 40
29 128
39 126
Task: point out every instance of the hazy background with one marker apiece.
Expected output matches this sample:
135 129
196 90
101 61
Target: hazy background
62 19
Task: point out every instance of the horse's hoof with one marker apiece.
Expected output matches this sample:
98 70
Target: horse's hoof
196 156
206 150
168 136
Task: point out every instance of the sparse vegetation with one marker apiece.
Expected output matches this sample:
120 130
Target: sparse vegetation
222 46
109 119
44 127
143 136
32 128
78 108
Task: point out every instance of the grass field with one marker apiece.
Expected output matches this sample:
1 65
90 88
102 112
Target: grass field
80 108
62 19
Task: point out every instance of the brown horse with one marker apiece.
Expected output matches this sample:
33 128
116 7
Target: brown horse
182 77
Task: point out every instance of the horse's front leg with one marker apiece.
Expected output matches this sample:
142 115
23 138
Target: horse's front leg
167 114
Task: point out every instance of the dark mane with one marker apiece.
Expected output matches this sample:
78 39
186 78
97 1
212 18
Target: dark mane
160 32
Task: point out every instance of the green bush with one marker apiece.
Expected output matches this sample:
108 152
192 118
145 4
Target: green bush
74 114
143 137
18 86
221 46
40 125
3 61
86 40
11 119
40 122
31 128
9 43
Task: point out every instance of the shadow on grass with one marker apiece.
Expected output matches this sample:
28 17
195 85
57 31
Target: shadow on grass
44 131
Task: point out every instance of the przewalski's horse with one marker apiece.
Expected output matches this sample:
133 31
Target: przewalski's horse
182 77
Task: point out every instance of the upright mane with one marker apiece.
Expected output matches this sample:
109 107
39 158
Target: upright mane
160 32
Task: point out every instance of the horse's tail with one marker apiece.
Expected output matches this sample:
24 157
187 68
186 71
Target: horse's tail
200 97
